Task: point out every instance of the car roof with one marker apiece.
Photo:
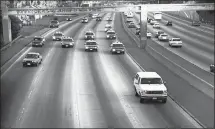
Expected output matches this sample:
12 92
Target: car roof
58 32
91 41
89 31
148 75
117 42
34 53
111 30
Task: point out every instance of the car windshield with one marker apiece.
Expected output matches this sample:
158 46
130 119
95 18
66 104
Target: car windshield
176 39
38 39
111 32
151 81
117 45
89 33
31 56
68 40
58 34
54 21
91 43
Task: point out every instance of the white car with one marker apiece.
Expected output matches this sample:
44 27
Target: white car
67 42
107 27
175 42
57 36
32 59
156 25
149 35
95 15
163 37
149 85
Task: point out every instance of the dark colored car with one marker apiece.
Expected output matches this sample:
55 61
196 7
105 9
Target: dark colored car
169 23
98 19
38 41
32 59
54 24
196 23
212 67
69 19
149 20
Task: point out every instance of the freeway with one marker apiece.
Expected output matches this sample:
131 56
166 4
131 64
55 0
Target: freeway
194 55
194 92
198 42
74 88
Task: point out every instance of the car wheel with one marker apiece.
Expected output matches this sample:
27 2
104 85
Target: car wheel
62 46
142 100
36 64
123 52
164 100
180 46
23 65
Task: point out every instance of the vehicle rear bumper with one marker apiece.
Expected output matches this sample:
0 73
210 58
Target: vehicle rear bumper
154 97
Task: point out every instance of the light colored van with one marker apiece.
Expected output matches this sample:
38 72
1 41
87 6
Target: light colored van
150 86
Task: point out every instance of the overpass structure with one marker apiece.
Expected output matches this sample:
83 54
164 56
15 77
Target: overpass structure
143 9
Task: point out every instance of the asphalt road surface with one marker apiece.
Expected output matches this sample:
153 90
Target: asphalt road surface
73 88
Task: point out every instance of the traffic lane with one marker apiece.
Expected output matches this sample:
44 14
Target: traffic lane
205 38
192 56
94 102
52 110
200 29
122 71
193 100
200 57
14 87
205 48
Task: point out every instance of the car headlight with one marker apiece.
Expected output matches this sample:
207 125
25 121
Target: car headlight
165 92
34 61
85 36
71 43
113 49
108 36
143 92
86 47
53 37
123 50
